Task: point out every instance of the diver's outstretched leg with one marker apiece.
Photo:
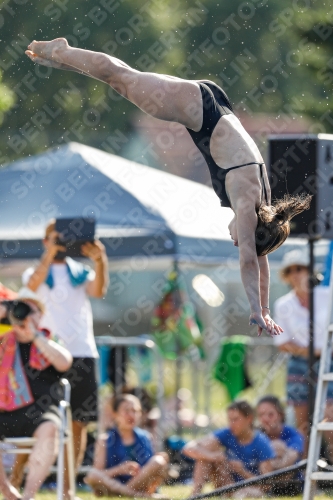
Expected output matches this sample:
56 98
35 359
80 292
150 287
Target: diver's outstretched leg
165 97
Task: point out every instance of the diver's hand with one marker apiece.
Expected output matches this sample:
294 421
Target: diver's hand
271 327
48 50
265 322
257 319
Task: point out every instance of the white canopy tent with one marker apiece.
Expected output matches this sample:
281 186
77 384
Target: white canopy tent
138 209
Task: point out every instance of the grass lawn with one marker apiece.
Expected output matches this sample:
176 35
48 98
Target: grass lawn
174 492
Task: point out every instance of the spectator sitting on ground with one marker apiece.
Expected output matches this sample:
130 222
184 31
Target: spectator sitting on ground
124 462
30 366
106 413
149 413
286 441
146 402
232 454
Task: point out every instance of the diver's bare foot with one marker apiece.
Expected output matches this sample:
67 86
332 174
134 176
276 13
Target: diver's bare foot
46 62
49 50
50 63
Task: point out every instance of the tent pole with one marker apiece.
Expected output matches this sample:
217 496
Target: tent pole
177 387
195 392
178 357
312 375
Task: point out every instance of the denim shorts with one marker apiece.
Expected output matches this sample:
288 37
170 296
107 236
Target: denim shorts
298 380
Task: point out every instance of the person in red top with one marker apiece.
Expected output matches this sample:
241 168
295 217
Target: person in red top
6 293
31 365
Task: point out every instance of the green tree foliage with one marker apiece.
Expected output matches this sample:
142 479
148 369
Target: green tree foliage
53 106
7 99
250 48
314 29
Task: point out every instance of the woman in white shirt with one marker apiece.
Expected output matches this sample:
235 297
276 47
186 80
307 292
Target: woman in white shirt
292 312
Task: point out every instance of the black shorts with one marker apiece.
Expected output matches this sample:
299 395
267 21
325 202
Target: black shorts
24 421
82 378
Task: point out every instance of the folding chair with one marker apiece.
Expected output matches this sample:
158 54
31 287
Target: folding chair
24 445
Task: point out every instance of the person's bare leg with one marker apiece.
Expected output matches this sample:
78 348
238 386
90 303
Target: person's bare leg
220 474
80 441
284 456
201 475
328 435
249 492
42 457
16 476
79 445
150 476
302 424
103 485
165 97
8 490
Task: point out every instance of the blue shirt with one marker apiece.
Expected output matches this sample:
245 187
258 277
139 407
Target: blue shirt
292 438
250 454
116 452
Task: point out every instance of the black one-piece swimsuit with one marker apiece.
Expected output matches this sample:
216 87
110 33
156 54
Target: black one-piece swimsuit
216 104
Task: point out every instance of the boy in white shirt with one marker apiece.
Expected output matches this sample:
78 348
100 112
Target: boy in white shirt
65 286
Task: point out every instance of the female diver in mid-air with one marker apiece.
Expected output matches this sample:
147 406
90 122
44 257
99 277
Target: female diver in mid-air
236 166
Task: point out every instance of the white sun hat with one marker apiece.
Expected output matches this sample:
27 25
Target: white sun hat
26 294
295 258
